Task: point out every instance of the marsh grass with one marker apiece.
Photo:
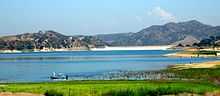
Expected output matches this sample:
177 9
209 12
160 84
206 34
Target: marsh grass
112 88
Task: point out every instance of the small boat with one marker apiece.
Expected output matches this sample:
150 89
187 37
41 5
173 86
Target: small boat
58 76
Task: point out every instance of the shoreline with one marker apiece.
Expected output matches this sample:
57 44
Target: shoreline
29 51
106 48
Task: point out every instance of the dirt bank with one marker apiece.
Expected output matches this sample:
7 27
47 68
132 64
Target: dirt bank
18 94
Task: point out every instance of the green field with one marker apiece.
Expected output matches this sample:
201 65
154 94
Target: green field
112 88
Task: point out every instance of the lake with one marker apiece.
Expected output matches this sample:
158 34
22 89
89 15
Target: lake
39 66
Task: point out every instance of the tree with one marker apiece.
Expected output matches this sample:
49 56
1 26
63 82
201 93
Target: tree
180 45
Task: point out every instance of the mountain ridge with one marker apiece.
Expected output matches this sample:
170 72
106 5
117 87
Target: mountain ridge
168 33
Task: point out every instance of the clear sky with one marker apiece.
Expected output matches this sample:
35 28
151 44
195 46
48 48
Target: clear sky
86 17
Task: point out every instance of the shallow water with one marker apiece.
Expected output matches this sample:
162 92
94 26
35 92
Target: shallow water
39 66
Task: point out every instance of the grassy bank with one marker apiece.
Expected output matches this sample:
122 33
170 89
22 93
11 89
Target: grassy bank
206 71
112 88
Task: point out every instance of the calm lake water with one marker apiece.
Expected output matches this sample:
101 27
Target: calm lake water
39 66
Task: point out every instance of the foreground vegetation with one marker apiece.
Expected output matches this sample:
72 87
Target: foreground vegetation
111 88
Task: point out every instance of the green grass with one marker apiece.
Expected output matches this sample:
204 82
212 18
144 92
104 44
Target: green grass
112 88
197 73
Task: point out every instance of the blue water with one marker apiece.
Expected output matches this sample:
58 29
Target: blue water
39 66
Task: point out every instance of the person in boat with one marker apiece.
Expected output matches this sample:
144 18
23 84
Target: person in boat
67 77
58 76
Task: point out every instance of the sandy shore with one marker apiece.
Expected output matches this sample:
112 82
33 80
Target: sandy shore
211 64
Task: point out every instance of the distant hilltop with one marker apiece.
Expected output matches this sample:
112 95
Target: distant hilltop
182 33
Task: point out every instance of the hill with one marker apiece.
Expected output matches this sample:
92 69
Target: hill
169 33
48 40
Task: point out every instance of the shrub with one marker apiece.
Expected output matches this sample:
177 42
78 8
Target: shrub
146 92
53 93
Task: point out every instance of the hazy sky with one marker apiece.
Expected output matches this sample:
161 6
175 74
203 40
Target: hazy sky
72 17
